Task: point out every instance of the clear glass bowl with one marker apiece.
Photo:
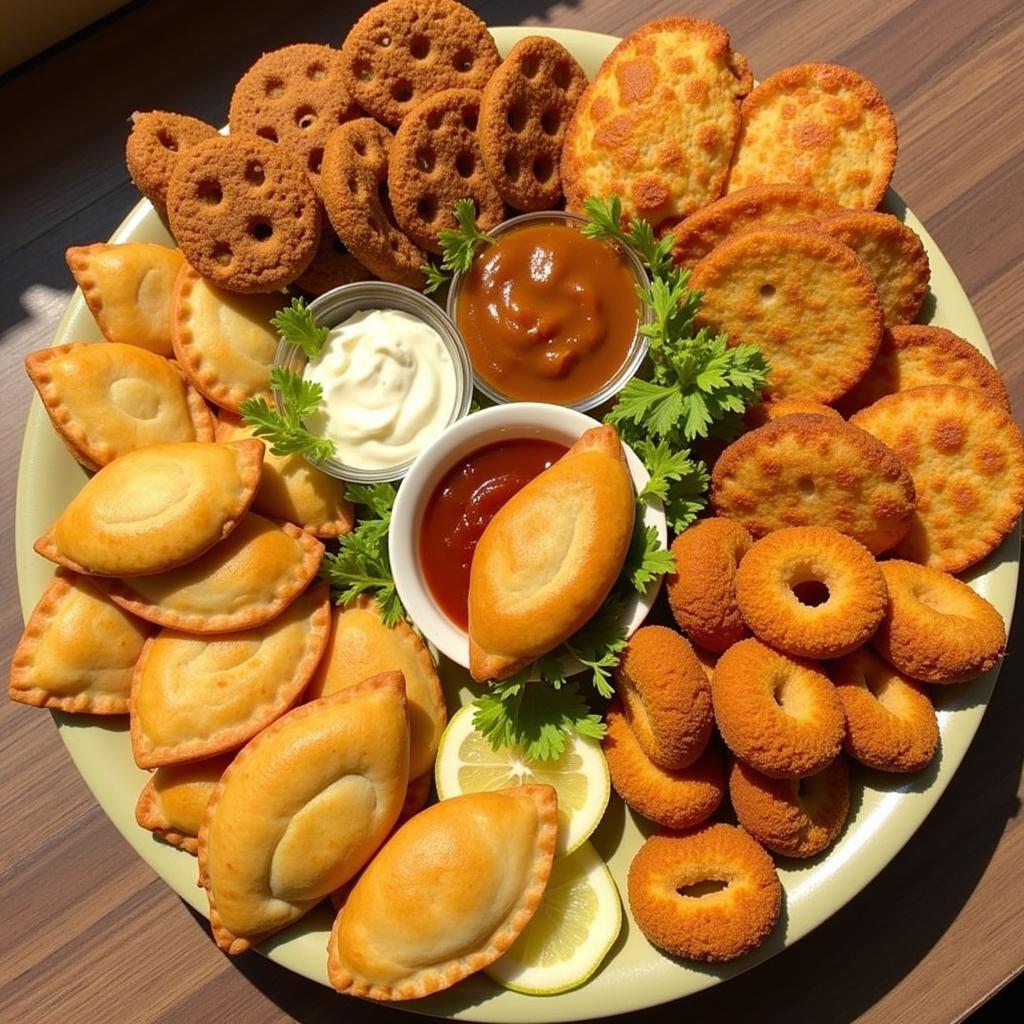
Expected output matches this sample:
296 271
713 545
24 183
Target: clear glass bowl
637 351
336 306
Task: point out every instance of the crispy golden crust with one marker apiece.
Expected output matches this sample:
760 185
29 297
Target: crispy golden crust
708 660
919 355
675 71
894 256
936 628
813 471
790 817
702 590
718 925
819 125
811 591
675 798
154 146
890 722
805 300
777 713
756 206
765 412
666 696
332 266
435 161
966 457
524 112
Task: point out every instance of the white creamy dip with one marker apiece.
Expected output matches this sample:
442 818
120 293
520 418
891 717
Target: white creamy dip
389 387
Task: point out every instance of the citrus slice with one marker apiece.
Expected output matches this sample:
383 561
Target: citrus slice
571 933
467 764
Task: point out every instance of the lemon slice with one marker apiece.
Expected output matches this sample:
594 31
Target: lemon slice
467 764
571 933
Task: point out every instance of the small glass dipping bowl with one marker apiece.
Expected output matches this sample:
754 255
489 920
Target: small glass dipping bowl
335 307
637 350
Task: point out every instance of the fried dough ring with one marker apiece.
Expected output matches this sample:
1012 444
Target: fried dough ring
777 713
675 799
783 575
666 696
793 818
936 628
702 590
716 925
890 722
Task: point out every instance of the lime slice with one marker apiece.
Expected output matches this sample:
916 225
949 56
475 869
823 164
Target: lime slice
575 926
467 764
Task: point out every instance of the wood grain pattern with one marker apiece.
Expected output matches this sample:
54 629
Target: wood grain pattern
89 933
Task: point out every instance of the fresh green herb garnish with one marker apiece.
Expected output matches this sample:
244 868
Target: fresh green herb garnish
361 564
436 277
646 559
297 325
284 429
605 221
459 245
679 480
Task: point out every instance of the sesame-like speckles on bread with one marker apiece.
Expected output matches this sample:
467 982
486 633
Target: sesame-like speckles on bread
819 125
658 124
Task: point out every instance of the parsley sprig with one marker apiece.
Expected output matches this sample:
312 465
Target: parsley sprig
459 246
297 325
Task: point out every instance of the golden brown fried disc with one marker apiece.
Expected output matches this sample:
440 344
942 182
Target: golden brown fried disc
890 722
813 471
811 591
793 818
679 72
805 300
765 412
936 628
894 256
818 125
966 457
918 355
759 206
702 590
677 897
777 713
675 799
666 696
332 266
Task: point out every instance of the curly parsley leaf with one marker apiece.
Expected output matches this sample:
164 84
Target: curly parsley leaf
297 325
599 644
436 277
646 559
283 428
459 244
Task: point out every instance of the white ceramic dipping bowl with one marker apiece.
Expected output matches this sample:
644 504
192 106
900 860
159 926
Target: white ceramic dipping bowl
518 419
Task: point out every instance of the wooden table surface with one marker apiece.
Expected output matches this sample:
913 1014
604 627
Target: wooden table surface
89 933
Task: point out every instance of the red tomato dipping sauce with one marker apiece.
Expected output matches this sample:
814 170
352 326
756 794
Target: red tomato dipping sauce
463 503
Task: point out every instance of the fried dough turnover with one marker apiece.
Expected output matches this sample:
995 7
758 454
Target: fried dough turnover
966 457
818 125
412 925
196 696
679 73
155 508
108 399
330 777
127 288
805 300
549 558
815 471
78 651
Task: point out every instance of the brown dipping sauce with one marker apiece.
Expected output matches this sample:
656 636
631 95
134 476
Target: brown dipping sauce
463 503
547 314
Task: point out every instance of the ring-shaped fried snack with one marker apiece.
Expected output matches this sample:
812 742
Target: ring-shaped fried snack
811 591
675 799
702 590
936 628
792 817
777 713
666 696
711 922
890 722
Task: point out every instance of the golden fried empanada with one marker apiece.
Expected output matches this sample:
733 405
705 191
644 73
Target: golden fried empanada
128 287
108 399
241 583
173 801
361 646
292 488
223 341
78 651
302 808
549 558
155 508
196 696
449 892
